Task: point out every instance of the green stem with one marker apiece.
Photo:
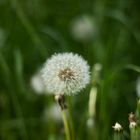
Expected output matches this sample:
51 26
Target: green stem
71 126
66 126
133 133
117 136
71 121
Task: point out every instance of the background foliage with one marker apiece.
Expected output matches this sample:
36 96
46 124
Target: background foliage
33 30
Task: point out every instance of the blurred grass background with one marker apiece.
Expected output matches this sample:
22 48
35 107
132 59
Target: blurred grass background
32 30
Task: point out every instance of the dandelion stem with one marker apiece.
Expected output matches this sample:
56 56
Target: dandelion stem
71 120
61 101
117 136
133 133
71 127
66 126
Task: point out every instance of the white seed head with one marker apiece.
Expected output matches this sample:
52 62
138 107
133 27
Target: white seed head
83 28
37 83
132 124
90 123
65 73
98 67
53 112
117 127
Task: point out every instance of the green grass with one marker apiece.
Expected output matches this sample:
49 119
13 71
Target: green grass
32 30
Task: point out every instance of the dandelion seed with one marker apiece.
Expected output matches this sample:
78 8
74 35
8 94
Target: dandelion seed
90 123
97 67
132 120
53 112
117 127
132 125
65 73
131 117
37 84
83 28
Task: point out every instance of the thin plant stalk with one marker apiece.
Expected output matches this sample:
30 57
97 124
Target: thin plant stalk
71 121
71 126
66 125
92 106
118 136
133 133
61 101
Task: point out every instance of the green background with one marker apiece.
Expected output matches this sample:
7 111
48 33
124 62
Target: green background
33 30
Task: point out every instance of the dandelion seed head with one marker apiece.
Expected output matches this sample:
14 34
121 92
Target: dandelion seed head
83 28
65 73
98 67
117 127
53 112
131 117
37 83
132 125
90 123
